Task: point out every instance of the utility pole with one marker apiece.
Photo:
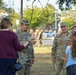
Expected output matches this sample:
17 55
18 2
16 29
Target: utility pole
56 21
21 9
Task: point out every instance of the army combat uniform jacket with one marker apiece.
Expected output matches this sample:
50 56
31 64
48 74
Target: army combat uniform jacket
58 52
28 52
59 45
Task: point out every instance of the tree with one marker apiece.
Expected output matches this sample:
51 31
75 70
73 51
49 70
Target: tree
49 13
68 4
2 6
39 16
69 17
13 16
34 17
69 22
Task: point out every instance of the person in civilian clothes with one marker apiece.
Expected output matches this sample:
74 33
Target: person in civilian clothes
70 56
9 47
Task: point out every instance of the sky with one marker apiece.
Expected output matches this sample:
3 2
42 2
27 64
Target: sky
16 4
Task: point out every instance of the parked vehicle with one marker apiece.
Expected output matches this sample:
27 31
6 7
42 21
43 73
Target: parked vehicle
48 34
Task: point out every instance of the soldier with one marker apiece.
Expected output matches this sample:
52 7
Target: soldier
26 57
40 38
58 49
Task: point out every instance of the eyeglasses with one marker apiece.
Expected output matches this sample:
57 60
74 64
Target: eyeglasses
63 26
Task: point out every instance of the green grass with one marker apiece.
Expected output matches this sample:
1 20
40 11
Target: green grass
43 64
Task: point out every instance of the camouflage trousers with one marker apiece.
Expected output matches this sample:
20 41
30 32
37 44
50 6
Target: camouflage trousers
40 43
59 68
25 71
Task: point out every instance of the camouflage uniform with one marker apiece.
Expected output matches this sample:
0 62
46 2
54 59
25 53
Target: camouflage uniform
26 54
58 52
40 39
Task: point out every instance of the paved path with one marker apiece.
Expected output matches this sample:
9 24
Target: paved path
46 41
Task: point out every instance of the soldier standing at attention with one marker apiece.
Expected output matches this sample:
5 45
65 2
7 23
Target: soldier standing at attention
26 57
58 49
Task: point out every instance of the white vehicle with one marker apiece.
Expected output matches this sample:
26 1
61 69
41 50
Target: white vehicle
48 34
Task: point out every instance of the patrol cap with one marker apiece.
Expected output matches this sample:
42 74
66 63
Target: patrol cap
24 21
63 24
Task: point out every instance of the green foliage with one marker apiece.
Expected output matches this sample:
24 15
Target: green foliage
69 17
39 16
35 16
68 4
69 22
49 13
11 12
1 4
13 16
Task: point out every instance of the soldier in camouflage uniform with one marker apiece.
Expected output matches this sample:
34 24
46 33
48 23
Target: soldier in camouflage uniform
40 38
26 57
58 50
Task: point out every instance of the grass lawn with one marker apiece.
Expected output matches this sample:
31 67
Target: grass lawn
43 64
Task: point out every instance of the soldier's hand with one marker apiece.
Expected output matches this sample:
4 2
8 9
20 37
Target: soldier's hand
33 42
33 38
